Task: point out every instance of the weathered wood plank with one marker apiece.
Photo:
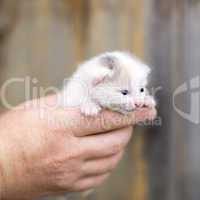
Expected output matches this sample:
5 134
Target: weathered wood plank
46 39
159 48
174 51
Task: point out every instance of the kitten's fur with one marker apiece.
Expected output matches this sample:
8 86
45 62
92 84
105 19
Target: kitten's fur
113 80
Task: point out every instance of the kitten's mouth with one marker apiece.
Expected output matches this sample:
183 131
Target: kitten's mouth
142 106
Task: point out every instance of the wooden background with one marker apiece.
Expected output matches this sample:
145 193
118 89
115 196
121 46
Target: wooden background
45 39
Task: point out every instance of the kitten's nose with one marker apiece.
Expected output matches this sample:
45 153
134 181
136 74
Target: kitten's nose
138 104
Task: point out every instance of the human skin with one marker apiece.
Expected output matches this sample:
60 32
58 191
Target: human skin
45 151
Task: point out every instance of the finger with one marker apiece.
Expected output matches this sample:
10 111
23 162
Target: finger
101 166
105 121
107 144
90 182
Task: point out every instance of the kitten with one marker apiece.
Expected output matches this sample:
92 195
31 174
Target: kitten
113 80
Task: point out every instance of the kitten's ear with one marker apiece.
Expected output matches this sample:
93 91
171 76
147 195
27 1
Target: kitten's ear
109 61
98 80
145 69
146 72
107 69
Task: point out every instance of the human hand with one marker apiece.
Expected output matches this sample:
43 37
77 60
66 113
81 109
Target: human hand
50 151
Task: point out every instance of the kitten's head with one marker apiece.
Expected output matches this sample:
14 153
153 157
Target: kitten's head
124 82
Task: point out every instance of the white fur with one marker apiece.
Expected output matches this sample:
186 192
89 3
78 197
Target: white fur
96 85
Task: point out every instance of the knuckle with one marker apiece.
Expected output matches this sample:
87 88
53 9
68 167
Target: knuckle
112 166
114 163
63 172
81 188
126 136
62 184
66 181
73 156
100 180
116 148
74 153
90 184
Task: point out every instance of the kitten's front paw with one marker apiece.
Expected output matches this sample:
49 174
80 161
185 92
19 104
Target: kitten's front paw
90 109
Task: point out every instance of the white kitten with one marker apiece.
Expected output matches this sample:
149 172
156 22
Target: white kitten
113 80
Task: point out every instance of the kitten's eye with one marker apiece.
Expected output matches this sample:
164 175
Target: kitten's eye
125 92
142 90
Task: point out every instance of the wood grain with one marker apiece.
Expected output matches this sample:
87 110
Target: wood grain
46 39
